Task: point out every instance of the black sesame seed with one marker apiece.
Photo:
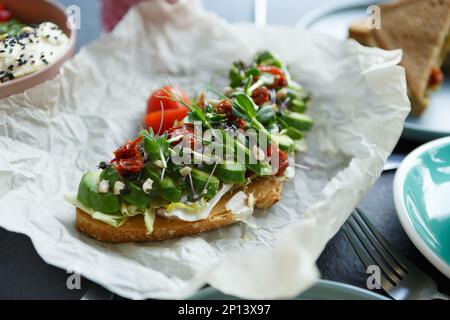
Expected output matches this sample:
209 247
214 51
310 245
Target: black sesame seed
102 165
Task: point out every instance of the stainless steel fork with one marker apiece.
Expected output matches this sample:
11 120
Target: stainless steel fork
399 278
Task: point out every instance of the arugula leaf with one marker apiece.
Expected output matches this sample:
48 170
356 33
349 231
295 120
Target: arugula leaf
269 59
196 113
236 74
157 147
244 104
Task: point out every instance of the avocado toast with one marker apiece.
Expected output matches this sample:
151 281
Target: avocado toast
230 154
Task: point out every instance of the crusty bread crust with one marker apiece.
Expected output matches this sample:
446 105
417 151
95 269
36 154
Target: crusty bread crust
266 192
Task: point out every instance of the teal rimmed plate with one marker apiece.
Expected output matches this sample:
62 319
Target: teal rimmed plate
322 290
422 200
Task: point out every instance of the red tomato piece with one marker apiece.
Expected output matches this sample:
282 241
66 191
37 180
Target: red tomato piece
186 130
261 95
5 15
280 78
128 159
283 158
436 77
153 119
165 97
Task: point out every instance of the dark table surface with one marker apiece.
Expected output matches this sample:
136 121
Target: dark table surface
24 275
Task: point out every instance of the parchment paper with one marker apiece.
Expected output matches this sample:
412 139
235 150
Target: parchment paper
53 133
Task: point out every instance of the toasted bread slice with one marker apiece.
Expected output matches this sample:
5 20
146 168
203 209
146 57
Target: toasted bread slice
266 192
420 28
361 33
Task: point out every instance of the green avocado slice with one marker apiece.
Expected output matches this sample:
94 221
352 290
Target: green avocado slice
89 196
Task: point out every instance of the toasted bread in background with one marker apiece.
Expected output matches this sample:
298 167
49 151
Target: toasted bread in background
421 29
361 33
266 192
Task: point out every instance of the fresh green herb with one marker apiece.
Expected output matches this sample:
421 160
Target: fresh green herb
156 147
11 28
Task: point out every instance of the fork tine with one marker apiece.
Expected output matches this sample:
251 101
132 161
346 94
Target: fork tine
356 244
389 253
364 250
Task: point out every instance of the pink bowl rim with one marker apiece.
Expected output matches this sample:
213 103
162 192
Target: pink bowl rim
70 50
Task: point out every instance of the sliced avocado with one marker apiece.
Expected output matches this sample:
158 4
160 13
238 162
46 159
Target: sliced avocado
200 179
298 105
285 142
231 172
110 174
265 114
135 195
165 188
152 173
168 190
297 120
89 196
293 133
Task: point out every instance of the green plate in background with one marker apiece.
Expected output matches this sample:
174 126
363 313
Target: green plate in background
322 290
422 200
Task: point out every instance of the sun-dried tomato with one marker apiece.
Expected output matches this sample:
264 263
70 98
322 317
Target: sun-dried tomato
128 158
283 158
225 107
436 77
261 95
280 78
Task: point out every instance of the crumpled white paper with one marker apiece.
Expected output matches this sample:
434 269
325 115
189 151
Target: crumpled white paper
53 133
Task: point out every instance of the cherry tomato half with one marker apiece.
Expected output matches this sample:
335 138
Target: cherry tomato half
5 15
164 96
153 119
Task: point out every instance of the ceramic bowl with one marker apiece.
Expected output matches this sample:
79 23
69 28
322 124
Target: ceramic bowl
37 11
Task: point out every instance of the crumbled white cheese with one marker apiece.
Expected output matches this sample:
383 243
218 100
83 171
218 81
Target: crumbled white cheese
185 171
289 173
118 186
159 163
241 205
103 186
258 153
175 139
147 185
